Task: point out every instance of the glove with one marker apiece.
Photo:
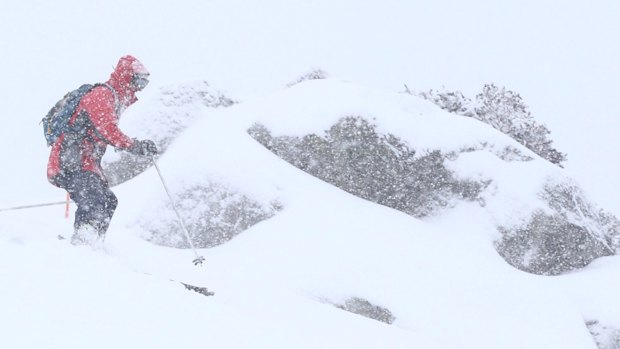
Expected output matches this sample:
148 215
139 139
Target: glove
144 147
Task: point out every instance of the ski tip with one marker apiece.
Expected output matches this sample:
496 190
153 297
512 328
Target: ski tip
202 290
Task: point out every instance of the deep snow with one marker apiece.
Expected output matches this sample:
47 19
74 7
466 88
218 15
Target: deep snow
274 283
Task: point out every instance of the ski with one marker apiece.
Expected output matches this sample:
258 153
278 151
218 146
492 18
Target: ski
198 289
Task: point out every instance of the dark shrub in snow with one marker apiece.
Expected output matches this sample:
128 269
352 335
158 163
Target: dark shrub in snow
606 337
212 213
354 157
314 74
569 236
505 111
363 307
451 101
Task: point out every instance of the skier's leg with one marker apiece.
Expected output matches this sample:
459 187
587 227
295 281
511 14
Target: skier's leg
110 203
90 193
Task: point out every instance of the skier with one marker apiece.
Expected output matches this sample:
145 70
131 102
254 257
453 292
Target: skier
75 159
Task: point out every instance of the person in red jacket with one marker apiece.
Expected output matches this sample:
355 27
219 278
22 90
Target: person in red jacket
75 159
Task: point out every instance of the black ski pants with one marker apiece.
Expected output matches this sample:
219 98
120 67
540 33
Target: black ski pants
95 201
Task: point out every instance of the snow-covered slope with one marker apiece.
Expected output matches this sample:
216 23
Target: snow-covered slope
278 284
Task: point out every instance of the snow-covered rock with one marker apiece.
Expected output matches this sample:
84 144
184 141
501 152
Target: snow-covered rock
161 119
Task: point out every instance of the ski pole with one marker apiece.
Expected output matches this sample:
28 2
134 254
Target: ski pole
67 205
32 206
199 259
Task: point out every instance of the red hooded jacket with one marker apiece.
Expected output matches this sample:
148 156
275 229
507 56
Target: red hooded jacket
97 114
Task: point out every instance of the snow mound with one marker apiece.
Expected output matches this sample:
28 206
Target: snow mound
441 277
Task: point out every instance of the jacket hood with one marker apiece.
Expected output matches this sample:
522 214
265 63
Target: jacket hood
120 79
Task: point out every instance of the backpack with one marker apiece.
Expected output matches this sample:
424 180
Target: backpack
56 122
